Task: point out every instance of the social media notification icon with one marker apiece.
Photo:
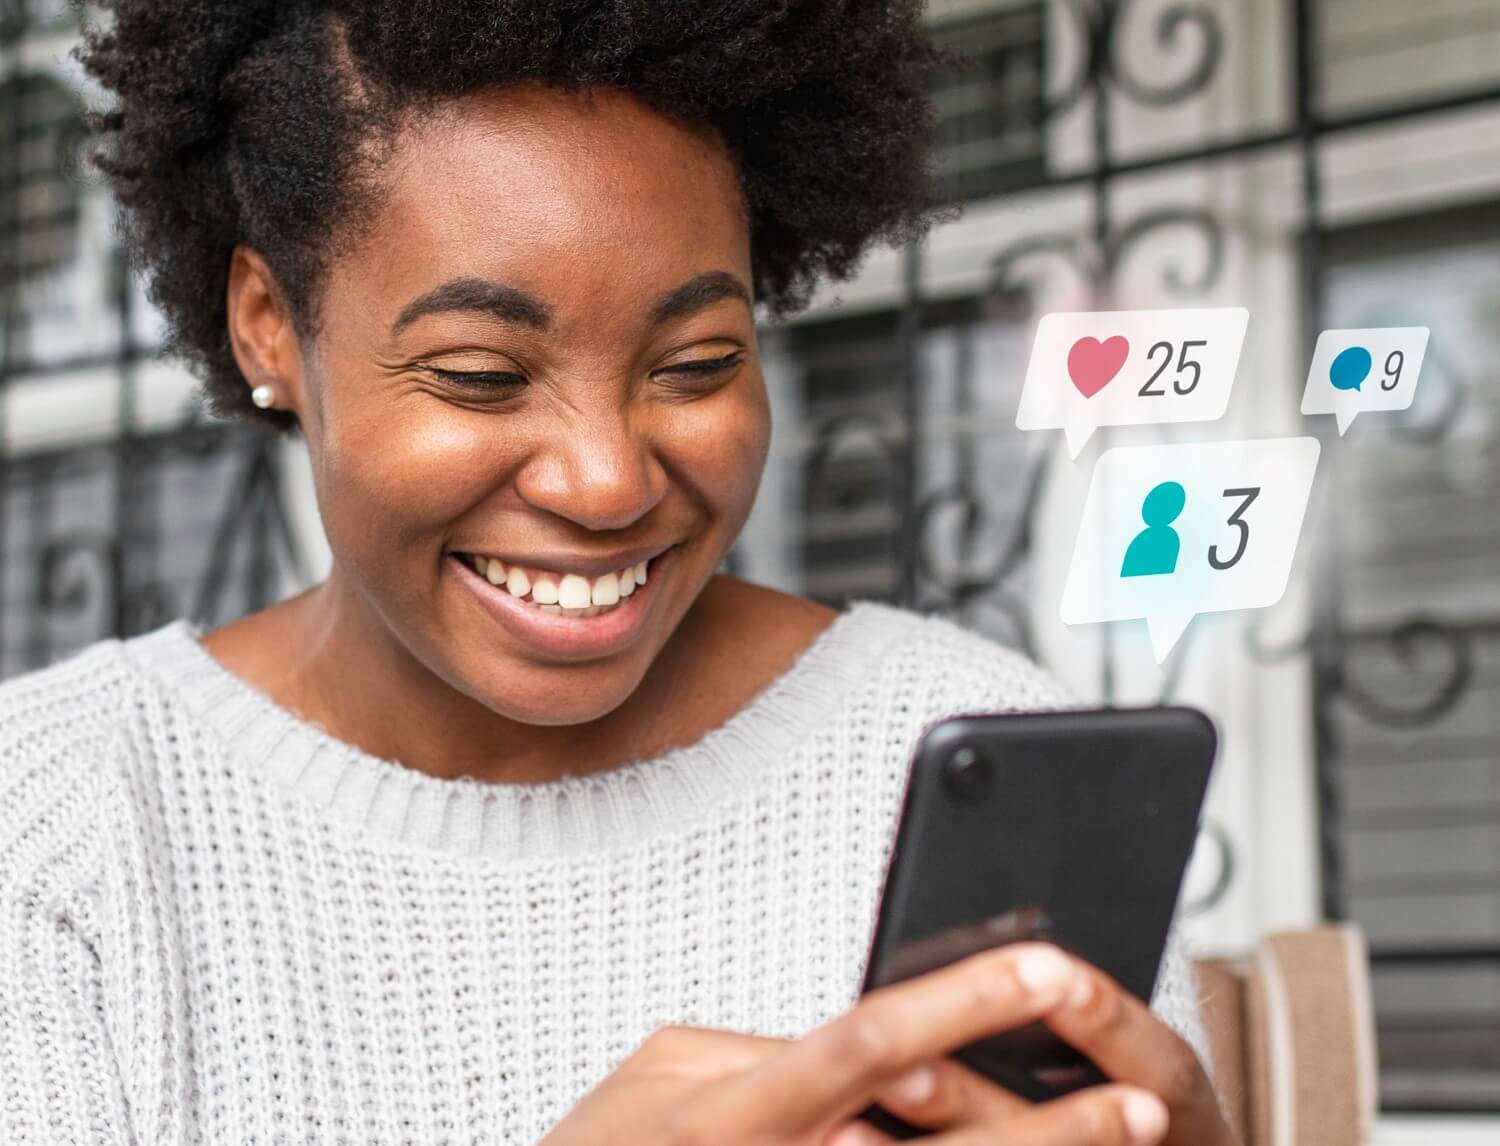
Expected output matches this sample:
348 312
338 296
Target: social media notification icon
1354 371
1130 367
1169 532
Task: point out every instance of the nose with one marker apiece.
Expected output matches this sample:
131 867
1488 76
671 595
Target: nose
599 471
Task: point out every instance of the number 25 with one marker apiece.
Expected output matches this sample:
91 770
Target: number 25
1236 519
1183 363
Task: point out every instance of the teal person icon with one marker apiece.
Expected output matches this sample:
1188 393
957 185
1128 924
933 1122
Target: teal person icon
1155 548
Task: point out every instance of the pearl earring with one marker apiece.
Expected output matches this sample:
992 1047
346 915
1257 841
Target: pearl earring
263 396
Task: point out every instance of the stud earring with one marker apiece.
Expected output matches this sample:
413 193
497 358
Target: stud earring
263 396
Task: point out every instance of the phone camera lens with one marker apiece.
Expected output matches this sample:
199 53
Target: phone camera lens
968 776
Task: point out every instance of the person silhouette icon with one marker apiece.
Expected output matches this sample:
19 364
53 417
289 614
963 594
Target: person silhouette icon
1155 548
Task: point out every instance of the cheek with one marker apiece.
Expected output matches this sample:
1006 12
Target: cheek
719 447
393 478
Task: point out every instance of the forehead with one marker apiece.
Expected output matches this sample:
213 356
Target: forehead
589 196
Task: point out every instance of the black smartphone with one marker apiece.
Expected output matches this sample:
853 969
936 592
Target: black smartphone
1074 827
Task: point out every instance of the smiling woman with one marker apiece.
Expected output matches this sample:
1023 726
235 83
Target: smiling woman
525 821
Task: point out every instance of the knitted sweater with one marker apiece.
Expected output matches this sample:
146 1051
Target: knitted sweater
220 924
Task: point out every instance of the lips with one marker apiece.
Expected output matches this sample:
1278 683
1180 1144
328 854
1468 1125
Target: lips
566 633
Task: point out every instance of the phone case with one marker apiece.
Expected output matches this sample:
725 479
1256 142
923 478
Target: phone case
1075 827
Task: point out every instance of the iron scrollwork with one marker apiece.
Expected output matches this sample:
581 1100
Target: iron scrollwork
1204 223
963 590
1406 642
840 435
1097 27
1215 836
81 573
76 570
1007 295
1171 22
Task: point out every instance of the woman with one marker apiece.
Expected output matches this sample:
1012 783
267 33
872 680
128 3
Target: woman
524 824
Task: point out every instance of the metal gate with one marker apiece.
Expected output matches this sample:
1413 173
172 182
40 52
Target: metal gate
150 519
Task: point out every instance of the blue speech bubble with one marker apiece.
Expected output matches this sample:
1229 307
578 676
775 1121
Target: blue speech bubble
1350 368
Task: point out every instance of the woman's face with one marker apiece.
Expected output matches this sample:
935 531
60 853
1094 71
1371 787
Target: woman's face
541 352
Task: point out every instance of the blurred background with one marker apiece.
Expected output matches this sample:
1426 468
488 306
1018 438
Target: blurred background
1325 163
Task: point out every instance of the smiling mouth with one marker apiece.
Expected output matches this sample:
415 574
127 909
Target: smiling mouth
568 594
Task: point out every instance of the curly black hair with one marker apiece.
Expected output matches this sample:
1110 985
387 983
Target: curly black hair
257 121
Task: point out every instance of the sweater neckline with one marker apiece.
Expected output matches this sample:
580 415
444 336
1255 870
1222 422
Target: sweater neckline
397 807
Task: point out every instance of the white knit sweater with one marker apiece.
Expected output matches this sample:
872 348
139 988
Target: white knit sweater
220 924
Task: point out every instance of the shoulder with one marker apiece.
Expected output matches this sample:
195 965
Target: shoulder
45 710
57 726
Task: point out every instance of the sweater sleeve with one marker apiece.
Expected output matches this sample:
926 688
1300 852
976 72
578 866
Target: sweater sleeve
59 1076
1175 1000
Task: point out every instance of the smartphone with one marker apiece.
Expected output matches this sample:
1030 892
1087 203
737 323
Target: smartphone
1074 827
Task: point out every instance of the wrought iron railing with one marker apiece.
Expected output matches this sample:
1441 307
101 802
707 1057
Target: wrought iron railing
116 562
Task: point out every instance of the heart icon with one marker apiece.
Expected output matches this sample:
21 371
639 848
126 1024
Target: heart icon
1093 364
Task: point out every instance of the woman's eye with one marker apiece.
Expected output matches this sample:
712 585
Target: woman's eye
705 368
493 381
479 381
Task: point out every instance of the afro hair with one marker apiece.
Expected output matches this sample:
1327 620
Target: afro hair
252 121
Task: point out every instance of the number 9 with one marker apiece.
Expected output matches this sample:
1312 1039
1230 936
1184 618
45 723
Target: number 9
1392 372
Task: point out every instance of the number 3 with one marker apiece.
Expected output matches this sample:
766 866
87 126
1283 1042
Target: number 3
1236 519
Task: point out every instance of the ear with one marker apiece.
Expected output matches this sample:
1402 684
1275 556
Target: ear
261 331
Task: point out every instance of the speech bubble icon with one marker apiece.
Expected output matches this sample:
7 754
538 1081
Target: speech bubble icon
1169 532
1350 368
1128 368
1357 370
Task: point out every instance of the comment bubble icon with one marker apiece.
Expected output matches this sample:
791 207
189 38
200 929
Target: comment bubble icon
1354 371
1169 532
1130 367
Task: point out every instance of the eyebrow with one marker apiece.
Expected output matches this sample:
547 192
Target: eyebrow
511 304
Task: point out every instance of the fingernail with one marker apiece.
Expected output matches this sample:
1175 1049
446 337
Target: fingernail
1082 992
1044 971
855 1134
915 1086
1146 1117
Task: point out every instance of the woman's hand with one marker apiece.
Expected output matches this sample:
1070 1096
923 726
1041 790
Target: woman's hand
687 1086
1122 1036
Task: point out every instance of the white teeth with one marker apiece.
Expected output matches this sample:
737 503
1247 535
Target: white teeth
605 590
573 592
569 593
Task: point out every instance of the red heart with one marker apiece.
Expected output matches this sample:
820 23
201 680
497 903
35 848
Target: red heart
1093 364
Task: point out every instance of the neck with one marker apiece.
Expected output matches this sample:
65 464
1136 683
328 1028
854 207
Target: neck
328 656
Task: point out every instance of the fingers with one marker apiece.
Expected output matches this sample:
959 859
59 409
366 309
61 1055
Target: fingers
858 1134
837 1068
944 1093
1112 1115
1125 1039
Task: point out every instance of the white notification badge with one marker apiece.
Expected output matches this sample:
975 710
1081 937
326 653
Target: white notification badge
1169 532
1130 368
1354 371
